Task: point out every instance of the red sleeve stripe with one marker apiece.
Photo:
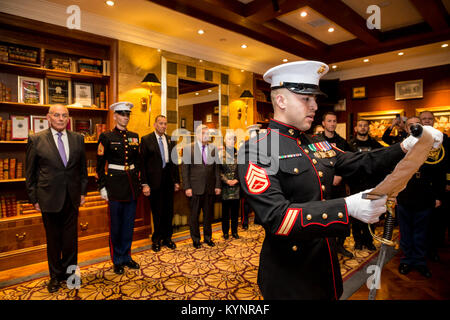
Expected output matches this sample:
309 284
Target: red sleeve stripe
288 222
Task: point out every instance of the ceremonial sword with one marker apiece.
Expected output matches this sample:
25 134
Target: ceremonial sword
391 186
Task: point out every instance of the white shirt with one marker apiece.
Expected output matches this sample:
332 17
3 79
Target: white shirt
64 139
166 147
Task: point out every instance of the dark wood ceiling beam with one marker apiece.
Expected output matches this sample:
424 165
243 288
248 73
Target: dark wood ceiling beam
345 17
433 12
231 5
354 49
260 11
229 20
303 37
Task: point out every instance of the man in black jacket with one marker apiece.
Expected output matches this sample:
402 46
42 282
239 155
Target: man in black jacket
422 194
160 179
287 176
56 182
362 142
201 183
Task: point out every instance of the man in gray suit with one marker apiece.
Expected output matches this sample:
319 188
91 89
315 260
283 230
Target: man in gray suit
201 182
56 182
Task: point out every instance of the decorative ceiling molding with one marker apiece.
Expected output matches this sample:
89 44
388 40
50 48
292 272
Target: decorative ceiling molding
390 67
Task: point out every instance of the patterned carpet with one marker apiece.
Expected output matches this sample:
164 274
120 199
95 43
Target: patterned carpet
227 271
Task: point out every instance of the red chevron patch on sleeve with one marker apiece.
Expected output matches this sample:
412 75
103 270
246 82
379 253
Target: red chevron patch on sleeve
256 179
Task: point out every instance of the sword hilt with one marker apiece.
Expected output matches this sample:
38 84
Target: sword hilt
388 223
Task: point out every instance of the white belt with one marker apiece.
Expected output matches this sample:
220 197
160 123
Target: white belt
119 167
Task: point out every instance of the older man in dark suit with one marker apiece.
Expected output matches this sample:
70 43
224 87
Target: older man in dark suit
160 179
201 182
56 182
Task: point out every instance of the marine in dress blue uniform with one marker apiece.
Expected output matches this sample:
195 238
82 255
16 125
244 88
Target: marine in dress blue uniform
289 190
120 185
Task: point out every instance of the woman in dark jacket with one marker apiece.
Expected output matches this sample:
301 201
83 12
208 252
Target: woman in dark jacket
230 187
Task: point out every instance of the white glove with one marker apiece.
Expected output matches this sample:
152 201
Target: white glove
436 134
410 141
367 211
103 193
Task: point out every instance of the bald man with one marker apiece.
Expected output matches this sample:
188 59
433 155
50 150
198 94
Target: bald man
56 182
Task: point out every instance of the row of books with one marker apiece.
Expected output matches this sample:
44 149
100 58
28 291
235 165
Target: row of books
5 92
5 129
56 61
10 168
11 207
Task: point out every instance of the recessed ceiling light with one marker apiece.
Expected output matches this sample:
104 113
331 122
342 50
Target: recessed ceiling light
110 3
242 70
366 60
303 14
159 50
334 66
200 60
209 90
445 45
197 93
244 46
285 60
331 29
401 53
200 31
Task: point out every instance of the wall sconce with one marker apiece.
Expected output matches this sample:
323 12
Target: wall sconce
150 80
246 94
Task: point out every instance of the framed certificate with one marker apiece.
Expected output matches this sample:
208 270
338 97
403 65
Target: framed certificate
38 123
19 127
83 94
58 91
30 90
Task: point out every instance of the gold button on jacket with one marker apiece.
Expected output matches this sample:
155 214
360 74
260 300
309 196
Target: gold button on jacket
324 216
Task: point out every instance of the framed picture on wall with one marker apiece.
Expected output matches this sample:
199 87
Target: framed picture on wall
30 90
83 94
359 92
409 89
379 121
19 127
39 123
58 90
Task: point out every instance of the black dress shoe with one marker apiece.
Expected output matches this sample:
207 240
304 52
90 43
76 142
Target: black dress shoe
235 235
245 226
169 244
53 285
423 270
226 236
370 247
118 269
156 247
344 252
404 268
210 243
197 245
132 264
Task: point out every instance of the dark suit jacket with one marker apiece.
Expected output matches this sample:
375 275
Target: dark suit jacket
47 180
199 177
151 163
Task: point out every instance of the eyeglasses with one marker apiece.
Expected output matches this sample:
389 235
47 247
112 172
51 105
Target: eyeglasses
123 113
58 115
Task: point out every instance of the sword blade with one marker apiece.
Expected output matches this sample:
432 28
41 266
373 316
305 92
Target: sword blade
377 274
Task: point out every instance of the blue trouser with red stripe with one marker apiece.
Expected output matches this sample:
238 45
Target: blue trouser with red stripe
122 214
